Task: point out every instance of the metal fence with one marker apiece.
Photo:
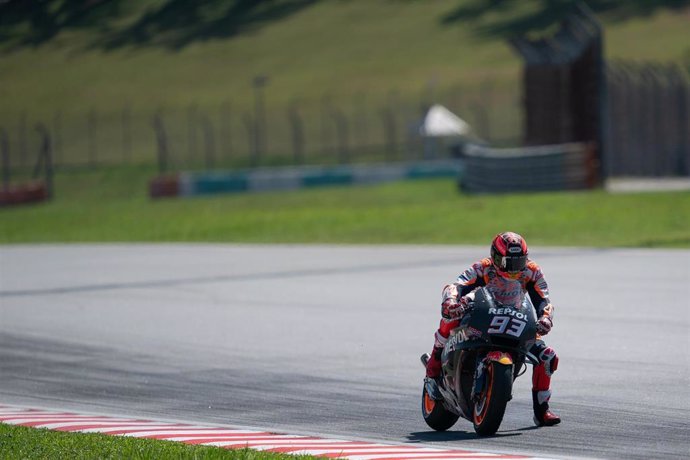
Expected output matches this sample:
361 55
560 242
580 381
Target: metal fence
648 127
635 113
329 131
646 132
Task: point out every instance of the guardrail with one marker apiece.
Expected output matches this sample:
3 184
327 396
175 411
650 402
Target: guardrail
540 168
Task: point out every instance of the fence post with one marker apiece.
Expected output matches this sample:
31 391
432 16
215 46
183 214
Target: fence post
611 133
325 133
683 98
162 142
665 119
636 127
225 131
630 109
251 138
260 142
5 151
192 115
127 133
388 119
342 136
45 158
209 150
650 96
23 151
57 137
429 92
360 125
297 128
92 134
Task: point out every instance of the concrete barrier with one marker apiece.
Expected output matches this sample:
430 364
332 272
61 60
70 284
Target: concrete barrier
291 178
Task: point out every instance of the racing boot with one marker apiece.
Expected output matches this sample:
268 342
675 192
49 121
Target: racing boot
433 373
542 415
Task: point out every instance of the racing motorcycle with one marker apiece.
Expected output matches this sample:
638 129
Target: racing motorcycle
480 361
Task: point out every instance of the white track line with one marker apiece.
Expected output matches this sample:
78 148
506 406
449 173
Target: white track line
161 430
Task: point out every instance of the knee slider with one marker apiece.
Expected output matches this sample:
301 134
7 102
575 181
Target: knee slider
439 340
446 326
550 360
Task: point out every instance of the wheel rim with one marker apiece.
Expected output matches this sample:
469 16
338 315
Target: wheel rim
429 403
482 406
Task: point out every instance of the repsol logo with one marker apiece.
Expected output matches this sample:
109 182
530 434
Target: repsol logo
508 312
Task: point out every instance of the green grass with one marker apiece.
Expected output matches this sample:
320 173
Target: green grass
112 205
356 51
357 56
18 442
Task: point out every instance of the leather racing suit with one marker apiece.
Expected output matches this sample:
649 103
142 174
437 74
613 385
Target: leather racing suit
505 290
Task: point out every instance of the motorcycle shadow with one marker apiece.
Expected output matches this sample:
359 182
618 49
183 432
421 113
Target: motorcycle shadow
428 436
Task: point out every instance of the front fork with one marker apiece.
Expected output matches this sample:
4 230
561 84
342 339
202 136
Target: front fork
480 382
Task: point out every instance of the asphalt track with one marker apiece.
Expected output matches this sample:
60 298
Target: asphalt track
326 340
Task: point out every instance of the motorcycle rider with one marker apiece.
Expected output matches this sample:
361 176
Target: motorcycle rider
507 274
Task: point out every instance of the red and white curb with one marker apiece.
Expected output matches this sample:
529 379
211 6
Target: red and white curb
232 438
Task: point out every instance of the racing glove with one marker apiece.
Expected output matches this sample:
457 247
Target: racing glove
455 308
544 325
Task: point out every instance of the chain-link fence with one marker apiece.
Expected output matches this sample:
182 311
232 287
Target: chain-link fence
648 129
329 131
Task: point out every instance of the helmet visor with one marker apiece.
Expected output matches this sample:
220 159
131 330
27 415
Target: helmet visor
513 264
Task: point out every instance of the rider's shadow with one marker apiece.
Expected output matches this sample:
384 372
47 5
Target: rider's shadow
430 436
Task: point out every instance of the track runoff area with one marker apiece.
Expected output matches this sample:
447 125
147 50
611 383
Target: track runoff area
234 438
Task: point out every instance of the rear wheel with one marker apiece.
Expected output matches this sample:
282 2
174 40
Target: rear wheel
491 405
435 414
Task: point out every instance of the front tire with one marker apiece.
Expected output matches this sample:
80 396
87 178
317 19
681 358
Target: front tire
435 414
488 411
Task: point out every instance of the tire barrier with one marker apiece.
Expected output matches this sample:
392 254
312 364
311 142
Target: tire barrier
30 192
206 183
529 169
40 187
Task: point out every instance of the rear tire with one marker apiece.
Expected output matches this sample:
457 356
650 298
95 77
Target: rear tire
489 410
435 414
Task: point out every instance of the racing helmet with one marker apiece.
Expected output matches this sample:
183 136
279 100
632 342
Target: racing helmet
509 254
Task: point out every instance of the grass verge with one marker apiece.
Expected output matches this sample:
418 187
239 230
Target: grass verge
326 61
112 206
23 442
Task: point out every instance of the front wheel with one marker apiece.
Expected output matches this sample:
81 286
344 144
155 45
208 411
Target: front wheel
435 414
491 404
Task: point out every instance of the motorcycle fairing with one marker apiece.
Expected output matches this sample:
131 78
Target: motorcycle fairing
479 333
